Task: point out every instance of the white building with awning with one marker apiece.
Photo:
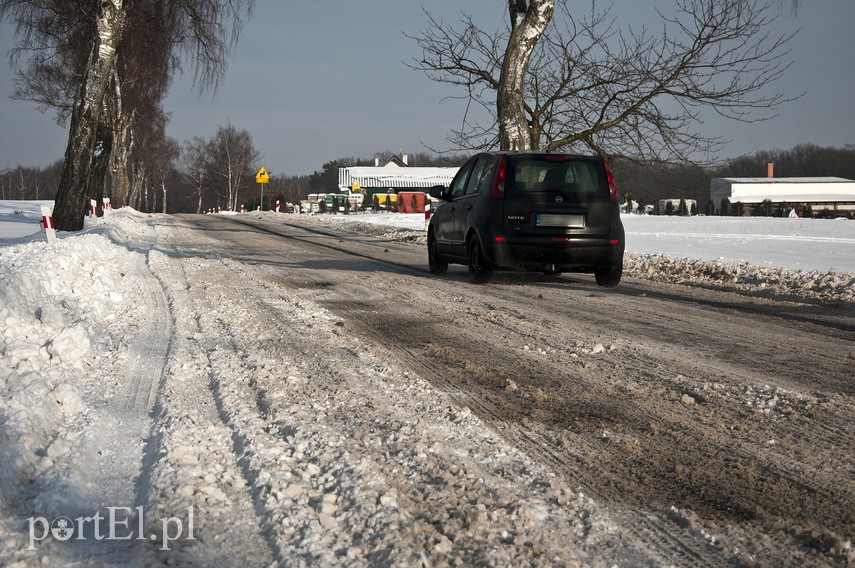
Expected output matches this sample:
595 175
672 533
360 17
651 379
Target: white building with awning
821 195
394 179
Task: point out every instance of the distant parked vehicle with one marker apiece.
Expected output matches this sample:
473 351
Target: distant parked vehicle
543 212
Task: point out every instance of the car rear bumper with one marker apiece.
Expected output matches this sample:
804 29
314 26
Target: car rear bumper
544 253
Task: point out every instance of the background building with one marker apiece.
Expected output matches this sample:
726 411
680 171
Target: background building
392 176
807 197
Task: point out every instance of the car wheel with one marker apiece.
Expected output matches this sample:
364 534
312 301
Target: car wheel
609 277
436 263
479 268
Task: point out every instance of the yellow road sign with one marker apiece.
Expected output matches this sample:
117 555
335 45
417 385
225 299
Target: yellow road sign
262 177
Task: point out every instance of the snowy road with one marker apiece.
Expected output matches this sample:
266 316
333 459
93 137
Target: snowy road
710 426
308 394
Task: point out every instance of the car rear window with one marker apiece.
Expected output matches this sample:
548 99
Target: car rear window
572 176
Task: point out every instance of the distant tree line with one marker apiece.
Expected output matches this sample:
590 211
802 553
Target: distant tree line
30 183
220 172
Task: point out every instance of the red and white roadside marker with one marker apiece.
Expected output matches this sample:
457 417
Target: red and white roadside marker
427 213
277 206
47 223
93 208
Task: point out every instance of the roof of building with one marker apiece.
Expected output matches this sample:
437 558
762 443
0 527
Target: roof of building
768 180
393 162
784 190
369 176
795 198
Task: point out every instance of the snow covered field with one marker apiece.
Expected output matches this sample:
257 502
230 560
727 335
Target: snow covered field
82 354
20 219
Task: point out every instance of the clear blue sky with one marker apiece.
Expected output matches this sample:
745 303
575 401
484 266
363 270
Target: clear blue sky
314 81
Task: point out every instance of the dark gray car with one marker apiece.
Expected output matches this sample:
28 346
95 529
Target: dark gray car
550 213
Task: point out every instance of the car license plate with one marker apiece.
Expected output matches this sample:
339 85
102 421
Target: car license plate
558 220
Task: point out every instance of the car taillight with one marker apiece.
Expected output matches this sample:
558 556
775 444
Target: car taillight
498 189
611 180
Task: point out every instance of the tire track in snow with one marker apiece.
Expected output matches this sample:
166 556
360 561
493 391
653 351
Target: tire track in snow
480 388
659 535
192 461
148 351
121 467
410 491
245 428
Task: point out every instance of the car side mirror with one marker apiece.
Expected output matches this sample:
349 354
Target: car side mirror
439 192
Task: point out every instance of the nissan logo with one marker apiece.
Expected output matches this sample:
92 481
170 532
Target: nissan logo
559 199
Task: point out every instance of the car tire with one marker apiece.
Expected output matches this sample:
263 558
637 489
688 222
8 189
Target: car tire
609 277
479 267
436 263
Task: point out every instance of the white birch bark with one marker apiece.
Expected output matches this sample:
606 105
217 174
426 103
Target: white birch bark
80 152
527 27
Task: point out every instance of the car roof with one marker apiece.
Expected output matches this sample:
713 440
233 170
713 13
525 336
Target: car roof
537 153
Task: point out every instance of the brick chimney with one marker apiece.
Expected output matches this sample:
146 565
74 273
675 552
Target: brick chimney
770 170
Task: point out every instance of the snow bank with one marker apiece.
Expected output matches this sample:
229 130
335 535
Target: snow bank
64 322
827 287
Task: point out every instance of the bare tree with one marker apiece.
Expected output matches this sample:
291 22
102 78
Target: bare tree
72 49
163 165
589 84
141 79
193 166
231 162
81 55
153 163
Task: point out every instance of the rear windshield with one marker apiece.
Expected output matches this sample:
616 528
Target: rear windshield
571 176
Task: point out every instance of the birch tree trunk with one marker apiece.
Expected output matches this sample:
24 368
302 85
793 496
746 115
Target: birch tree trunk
123 146
83 151
230 181
527 27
